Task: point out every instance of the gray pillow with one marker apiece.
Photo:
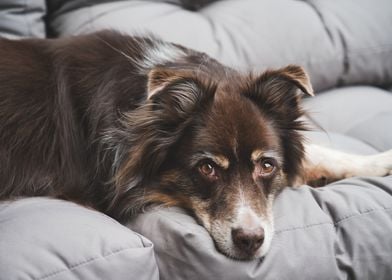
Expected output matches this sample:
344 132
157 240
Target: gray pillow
363 28
364 113
42 238
338 42
22 18
342 231
62 6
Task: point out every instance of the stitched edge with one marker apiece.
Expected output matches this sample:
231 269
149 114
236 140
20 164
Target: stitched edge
341 220
85 262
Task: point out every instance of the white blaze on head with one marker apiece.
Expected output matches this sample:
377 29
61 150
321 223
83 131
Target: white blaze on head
248 219
161 53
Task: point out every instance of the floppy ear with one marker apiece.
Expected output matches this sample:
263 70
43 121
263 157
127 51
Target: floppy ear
154 127
278 93
177 100
150 131
160 77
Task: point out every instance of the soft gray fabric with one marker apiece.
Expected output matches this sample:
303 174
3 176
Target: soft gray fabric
339 142
342 231
338 232
62 6
363 29
51 239
364 113
22 18
338 42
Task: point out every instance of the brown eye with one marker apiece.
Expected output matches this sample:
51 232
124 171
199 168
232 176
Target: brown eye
208 170
267 167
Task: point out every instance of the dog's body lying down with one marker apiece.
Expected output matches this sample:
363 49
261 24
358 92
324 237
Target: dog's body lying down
119 123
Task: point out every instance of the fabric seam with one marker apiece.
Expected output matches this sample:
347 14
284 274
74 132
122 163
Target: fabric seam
341 220
80 264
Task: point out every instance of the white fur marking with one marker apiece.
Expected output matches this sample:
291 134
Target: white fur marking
343 165
247 218
157 89
159 54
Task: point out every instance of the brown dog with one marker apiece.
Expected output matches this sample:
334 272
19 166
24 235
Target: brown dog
119 123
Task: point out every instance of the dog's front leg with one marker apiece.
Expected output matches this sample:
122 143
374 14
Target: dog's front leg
323 165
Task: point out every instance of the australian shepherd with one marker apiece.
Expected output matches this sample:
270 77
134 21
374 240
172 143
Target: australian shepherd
119 123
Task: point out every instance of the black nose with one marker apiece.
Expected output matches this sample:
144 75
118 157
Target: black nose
248 240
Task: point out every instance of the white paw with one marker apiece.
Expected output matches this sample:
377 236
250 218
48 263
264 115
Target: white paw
379 164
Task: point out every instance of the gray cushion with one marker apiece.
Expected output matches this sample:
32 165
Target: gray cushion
62 6
339 142
21 18
44 238
342 231
363 113
338 42
362 27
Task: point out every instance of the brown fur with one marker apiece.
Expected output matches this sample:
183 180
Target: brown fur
80 120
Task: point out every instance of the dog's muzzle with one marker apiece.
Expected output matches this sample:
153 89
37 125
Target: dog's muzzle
248 240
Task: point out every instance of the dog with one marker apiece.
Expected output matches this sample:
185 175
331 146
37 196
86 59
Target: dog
120 123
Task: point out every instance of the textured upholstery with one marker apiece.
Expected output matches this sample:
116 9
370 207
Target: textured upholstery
338 232
51 239
363 113
338 42
342 231
22 18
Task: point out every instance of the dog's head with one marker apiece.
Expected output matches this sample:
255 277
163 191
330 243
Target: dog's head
220 148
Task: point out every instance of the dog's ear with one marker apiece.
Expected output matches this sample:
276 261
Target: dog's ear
289 76
150 131
179 98
160 77
278 93
171 108
176 95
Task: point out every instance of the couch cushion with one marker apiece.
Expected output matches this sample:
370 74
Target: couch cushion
43 238
363 113
21 18
339 142
361 27
342 231
338 42
238 33
62 6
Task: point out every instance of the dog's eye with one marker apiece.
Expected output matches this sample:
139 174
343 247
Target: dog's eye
208 169
267 167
